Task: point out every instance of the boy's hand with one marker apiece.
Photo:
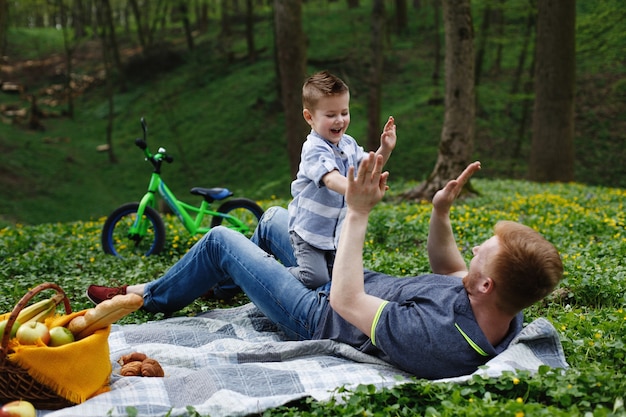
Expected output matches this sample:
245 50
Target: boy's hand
388 137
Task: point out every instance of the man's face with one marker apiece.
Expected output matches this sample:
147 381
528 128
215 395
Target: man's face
331 117
480 264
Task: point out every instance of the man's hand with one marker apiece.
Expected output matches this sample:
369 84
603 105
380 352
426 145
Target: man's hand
368 187
443 253
443 199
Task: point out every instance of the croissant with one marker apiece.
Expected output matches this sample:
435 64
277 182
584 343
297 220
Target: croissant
131 357
150 367
138 364
131 369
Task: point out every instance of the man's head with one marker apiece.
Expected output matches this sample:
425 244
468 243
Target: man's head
523 266
326 105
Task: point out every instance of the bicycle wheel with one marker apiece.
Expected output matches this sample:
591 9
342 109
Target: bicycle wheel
116 239
245 210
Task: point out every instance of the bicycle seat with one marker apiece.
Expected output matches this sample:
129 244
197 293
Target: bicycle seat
212 194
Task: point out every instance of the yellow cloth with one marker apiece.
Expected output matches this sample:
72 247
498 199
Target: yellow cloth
76 371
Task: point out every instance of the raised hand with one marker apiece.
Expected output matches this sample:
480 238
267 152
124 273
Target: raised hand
368 187
388 137
443 199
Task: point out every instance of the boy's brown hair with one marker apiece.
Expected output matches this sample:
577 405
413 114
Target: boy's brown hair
321 84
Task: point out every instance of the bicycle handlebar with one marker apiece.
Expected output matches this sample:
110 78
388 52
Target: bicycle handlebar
157 159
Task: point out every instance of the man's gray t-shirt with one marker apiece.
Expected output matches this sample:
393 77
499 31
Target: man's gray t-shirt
427 328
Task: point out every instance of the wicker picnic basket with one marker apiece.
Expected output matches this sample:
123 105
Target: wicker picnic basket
16 383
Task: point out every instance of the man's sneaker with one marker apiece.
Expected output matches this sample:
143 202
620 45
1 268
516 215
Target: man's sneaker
98 293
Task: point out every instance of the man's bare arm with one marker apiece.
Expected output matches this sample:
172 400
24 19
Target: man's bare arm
347 292
443 253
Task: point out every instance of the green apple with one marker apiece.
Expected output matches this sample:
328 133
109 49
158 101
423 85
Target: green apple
29 333
18 409
3 324
60 336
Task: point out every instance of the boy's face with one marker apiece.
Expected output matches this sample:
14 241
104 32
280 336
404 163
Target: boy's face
331 117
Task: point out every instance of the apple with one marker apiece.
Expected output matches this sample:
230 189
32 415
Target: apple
3 324
29 333
18 408
60 336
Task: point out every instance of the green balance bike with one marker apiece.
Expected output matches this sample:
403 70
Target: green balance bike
137 229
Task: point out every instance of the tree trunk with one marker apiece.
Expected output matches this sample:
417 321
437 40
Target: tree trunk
69 53
375 75
4 20
78 20
482 44
552 145
250 31
402 21
521 60
291 57
183 10
107 21
437 42
457 136
498 19
106 62
139 22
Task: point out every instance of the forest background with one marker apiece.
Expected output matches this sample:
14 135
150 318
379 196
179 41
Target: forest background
203 74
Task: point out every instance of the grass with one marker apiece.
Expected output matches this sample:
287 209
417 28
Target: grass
586 223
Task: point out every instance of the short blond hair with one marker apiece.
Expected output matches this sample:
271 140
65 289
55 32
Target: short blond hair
321 84
526 267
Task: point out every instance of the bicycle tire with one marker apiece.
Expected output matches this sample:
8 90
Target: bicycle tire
246 210
117 242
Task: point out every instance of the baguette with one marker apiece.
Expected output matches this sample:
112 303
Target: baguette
104 314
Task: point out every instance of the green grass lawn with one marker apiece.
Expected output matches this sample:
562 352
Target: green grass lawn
585 223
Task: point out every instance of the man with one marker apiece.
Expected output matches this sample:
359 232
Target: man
436 325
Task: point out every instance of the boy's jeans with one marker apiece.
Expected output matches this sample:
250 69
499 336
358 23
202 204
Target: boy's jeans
223 253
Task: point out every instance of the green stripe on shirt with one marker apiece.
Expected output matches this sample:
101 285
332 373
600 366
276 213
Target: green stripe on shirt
471 342
375 321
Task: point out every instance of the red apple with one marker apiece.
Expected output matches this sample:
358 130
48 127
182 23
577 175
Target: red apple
29 333
60 336
3 324
18 409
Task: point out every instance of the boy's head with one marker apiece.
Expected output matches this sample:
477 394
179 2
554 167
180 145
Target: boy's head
319 85
326 105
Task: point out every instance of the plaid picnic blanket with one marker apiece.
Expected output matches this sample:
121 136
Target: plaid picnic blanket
234 362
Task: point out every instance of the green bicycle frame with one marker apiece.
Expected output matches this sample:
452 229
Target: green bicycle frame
190 216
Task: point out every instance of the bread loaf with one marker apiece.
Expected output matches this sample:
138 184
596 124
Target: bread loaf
104 314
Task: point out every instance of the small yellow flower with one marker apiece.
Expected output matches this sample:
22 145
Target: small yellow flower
519 400
519 414
515 381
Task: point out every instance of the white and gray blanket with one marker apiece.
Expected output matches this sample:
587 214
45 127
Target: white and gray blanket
233 362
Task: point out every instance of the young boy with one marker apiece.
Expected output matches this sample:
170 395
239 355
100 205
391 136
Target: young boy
318 206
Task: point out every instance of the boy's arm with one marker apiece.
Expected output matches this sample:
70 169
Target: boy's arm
443 253
336 182
387 140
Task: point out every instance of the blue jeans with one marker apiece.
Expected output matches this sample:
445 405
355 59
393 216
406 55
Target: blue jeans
253 265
